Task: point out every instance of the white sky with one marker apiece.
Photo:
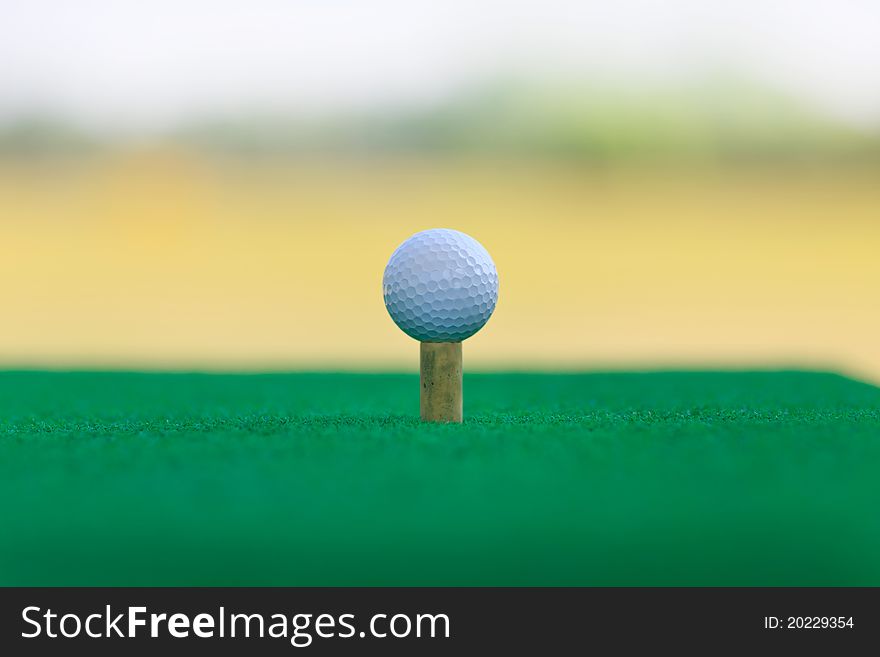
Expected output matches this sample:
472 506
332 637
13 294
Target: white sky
146 64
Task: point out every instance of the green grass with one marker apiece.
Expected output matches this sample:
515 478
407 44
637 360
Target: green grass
329 479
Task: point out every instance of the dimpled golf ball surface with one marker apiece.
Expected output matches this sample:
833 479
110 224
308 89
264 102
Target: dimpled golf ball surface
440 285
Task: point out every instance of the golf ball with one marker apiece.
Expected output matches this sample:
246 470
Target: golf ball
440 285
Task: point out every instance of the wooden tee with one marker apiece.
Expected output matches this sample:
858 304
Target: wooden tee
441 395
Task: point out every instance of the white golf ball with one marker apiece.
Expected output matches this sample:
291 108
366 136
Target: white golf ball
440 285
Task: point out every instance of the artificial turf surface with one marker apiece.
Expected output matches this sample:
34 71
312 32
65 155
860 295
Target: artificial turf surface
738 478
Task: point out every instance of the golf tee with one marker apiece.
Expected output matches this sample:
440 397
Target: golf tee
441 394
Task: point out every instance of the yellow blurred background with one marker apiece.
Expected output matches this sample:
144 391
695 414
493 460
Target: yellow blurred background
658 228
165 259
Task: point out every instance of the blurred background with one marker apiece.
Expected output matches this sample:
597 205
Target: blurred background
218 185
